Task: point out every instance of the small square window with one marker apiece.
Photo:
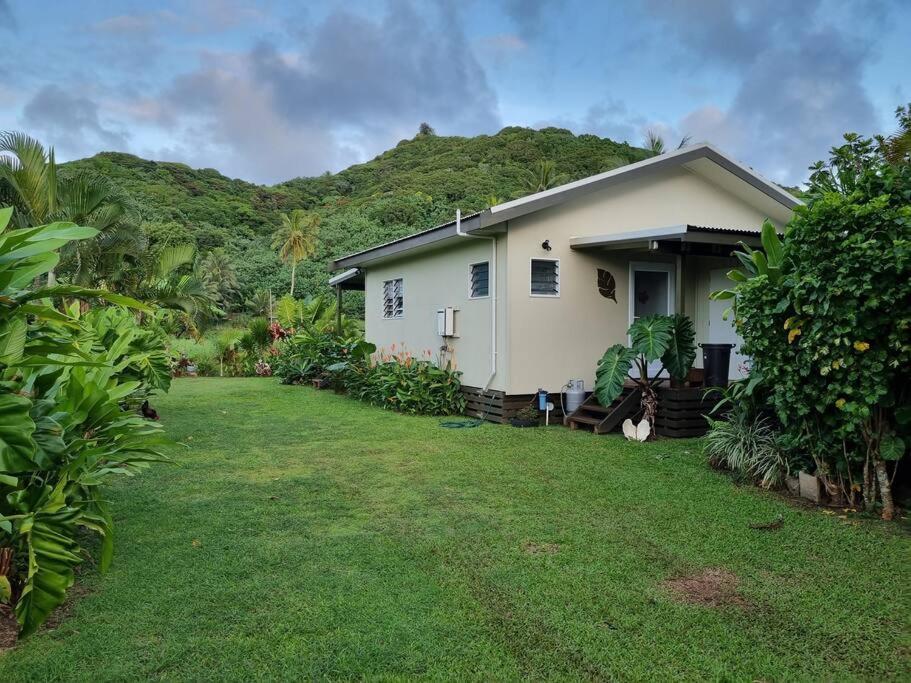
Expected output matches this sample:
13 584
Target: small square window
480 280
393 298
545 277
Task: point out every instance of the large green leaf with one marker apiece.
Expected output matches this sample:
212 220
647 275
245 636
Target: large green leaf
49 535
12 339
17 448
650 336
613 369
83 293
771 242
681 351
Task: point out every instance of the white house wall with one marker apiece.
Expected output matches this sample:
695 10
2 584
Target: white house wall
552 340
434 280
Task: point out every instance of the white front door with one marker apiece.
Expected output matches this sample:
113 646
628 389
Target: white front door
651 290
722 331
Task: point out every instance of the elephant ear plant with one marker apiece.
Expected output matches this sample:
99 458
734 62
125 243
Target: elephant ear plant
666 338
64 381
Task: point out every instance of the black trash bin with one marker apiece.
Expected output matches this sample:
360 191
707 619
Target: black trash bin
716 361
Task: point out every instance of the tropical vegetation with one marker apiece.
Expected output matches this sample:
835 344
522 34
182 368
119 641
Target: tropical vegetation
71 379
669 339
417 184
825 314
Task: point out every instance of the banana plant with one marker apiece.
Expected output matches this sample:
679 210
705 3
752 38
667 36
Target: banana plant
666 338
767 262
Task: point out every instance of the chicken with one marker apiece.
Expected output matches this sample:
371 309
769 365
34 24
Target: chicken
148 412
638 432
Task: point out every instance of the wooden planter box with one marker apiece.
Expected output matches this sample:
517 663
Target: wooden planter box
682 411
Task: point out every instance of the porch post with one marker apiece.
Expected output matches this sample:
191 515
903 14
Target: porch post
681 299
338 309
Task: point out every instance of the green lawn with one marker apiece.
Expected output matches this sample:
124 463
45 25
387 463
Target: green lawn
305 535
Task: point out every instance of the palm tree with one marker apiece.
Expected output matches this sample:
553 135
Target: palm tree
29 176
157 279
542 177
654 143
296 239
897 147
217 272
30 172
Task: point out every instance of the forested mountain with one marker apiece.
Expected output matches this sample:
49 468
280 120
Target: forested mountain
411 187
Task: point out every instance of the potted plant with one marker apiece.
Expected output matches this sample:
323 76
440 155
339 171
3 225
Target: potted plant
529 416
669 339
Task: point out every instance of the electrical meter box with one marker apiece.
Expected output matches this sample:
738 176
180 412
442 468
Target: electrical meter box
446 322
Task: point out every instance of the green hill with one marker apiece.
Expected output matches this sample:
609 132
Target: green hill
411 187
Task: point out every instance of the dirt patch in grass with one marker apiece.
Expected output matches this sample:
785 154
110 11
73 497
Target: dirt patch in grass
712 587
9 626
541 548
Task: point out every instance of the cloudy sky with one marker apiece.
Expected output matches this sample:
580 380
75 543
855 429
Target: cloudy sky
272 90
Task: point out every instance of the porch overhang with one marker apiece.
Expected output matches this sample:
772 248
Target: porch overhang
353 278
676 239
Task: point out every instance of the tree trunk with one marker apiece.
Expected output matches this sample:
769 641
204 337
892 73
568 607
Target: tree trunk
869 486
885 488
293 271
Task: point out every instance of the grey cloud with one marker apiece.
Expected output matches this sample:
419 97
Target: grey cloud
610 118
7 18
359 86
528 15
801 79
70 121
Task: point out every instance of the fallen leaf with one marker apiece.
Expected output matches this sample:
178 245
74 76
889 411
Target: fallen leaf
196 543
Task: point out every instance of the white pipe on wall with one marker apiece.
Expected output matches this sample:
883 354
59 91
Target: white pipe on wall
492 285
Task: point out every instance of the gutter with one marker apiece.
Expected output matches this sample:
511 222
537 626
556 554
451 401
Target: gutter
492 285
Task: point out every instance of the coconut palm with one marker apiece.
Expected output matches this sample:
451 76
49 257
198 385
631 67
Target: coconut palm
897 147
542 176
295 240
654 143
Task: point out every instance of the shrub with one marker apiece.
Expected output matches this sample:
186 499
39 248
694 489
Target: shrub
407 385
397 381
747 442
828 326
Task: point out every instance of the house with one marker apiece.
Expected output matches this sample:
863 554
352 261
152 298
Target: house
528 294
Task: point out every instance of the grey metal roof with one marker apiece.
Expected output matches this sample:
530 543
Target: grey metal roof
502 213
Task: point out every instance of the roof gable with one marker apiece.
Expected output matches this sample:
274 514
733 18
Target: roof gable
702 159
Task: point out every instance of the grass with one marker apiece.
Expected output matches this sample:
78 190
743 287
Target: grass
305 535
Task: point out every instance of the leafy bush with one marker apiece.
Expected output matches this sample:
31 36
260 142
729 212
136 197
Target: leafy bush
408 385
392 380
65 378
825 315
746 441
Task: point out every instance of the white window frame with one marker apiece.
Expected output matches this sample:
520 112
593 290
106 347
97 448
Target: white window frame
530 272
402 314
470 274
655 267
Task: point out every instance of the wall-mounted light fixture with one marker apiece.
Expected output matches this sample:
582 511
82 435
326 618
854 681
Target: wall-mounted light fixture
545 245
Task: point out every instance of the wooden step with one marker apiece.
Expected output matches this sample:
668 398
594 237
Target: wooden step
603 419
